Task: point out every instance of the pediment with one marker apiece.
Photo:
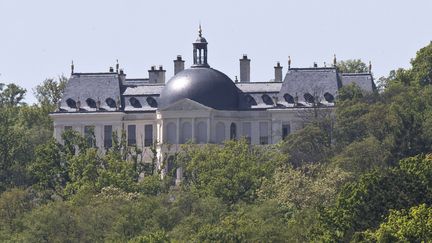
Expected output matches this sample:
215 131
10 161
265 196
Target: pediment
186 105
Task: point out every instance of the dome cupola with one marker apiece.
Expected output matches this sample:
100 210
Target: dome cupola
201 83
200 50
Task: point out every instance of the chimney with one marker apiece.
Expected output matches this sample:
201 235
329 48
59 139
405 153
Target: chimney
245 69
111 69
157 75
278 72
315 65
178 64
122 75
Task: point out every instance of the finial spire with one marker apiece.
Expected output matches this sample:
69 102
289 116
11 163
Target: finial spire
117 66
72 67
200 30
289 62
370 67
334 60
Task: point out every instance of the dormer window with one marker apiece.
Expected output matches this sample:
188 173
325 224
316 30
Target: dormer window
110 102
250 100
329 97
152 102
309 98
267 100
91 103
71 103
135 102
288 98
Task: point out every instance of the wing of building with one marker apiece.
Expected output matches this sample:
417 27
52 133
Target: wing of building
198 104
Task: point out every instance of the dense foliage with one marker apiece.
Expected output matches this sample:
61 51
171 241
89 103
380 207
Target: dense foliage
362 174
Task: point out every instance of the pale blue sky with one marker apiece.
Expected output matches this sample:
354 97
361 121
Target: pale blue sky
40 38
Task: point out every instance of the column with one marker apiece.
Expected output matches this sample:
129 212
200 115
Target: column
178 131
208 130
193 130
276 131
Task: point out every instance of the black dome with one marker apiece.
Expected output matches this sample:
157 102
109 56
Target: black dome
206 86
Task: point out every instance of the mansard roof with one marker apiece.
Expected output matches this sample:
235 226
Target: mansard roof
314 81
112 92
363 80
94 86
259 87
145 89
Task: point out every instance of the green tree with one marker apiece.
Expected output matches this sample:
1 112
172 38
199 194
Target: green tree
50 91
12 95
422 66
14 203
50 169
309 186
249 223
13 151
309 145
413 225
352 66
363 156
232 172
365 203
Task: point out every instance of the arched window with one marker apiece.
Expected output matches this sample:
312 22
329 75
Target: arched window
201 132
288 98
91 103
71 103
267 100
233 131
186 132
329 97
110 102
250 100
135 102
171 133
309 98
220 132
151 101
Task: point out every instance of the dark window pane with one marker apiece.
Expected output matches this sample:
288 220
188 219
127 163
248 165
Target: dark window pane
233 131
286 130
148 135
89 135
108 136
131 135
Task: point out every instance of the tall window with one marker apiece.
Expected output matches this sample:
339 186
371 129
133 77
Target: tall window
233 131
247 131
148 135
286 130
171 133
264 133
186 132
131 135
201 132
170 165
89 135
220 132
108 136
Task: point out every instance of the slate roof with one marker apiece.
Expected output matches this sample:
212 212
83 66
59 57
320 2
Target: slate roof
144 104
259 87
315 81
147 89
363 80
251 96
136 81
82 86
